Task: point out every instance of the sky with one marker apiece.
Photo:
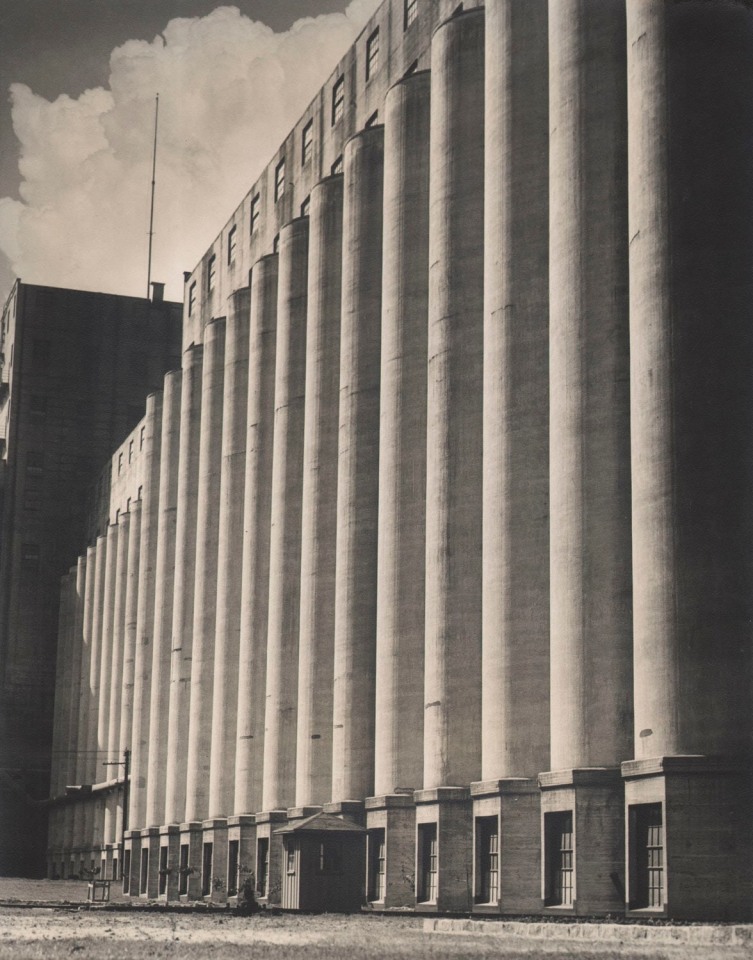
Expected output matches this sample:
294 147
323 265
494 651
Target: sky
78 81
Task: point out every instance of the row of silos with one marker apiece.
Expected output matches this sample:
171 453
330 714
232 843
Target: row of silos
456 499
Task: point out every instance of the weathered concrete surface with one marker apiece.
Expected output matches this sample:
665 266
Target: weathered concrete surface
281 707
164 581
142 669
205 588
230 548
319 510
358 472
591 652
452 726
691 317
515 649
116 673
125 727
398 748
181 649
252 661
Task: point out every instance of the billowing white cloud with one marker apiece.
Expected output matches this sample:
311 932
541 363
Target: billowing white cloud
230 89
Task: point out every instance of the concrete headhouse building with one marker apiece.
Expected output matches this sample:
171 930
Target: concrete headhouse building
427 579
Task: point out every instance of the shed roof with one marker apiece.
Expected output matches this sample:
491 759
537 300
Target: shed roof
322 823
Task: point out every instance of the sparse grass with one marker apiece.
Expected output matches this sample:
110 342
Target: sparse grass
53 934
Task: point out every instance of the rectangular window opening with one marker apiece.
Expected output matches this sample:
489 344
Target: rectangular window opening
376 865
192 299
559 859
233 850
114 871
211 273
255 213
337 166
487 860
427 863
372 54
162 882
127 871
262 865
183 870
410 12
338 100
206 870
144 874
280 179
307 143
232 242
373 120
306 207
646 856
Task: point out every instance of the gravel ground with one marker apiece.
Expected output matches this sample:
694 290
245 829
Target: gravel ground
51 933
54 933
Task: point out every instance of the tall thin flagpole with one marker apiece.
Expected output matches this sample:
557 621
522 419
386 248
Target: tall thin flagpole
151 211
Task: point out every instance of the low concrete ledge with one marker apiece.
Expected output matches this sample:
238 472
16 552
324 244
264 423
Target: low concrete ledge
693 934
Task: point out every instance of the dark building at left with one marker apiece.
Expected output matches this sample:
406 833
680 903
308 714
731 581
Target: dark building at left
76 370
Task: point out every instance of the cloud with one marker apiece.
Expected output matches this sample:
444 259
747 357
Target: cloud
230 89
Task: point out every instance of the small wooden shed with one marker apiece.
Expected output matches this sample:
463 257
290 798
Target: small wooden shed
324 863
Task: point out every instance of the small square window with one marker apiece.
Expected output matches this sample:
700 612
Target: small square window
280 179
231 244
306 206
211 273
338 100
372 54
130 451
255 213
410 12
191 299
307 143
337 166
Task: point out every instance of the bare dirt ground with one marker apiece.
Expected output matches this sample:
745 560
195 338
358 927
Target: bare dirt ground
53 933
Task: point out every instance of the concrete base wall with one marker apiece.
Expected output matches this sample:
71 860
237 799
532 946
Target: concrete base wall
517 805
707 835
396 815
595 797
450 808
266 824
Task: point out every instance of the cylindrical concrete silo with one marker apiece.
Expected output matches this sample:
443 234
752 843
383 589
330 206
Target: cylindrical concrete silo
129 649
116 671
319 511
184 584
252 660
230 549
144 639
591 633
278 789
164 584
515 637
452 726
205 588
402 448
358 472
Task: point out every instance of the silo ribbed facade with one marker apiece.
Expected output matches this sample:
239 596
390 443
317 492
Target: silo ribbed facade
438 547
